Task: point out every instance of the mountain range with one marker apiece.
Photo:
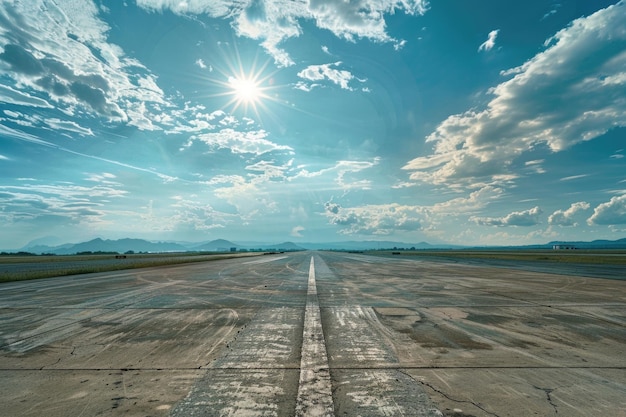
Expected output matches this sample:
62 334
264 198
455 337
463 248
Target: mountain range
141 245
222 245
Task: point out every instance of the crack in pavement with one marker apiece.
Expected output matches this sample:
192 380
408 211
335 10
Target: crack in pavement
437 390
548 391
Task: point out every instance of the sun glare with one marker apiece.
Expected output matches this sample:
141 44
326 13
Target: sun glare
246 91
248 86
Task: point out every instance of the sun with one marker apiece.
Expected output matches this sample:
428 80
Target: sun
249 87
246 90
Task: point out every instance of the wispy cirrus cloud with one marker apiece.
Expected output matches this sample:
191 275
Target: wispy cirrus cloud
70 203
57 55
344 173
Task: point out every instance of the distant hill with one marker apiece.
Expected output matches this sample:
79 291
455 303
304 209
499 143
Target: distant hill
595 244
284 246
216 245
100 245
375 245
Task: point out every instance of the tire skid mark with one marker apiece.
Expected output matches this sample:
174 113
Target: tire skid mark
367 377
256 373
253 374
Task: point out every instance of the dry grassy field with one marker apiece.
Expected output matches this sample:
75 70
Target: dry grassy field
18 268
608 257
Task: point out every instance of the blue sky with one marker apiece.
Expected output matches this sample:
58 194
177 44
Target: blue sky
460 121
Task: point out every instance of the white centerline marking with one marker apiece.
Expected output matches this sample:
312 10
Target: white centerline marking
315 397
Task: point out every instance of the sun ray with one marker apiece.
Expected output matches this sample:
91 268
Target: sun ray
248 86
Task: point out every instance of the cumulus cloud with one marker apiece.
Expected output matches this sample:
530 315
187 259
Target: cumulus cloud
383 219
490 42
341 78
274 21
569 93
198 216
248 198
297 231
517 218
610 213
567 217
361 18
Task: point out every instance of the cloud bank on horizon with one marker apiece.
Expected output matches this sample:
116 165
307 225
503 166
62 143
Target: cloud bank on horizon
313 120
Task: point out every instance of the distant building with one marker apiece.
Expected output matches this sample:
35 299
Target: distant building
233 249
564 247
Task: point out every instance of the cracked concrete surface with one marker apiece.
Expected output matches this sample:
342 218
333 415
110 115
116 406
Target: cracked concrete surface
403 337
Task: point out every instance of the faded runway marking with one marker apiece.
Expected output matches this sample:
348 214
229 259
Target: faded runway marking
314 390
262 261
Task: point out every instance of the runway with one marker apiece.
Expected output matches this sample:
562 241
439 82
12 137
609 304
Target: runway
314 334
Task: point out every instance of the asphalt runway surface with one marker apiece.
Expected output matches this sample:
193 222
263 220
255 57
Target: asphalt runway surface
314 334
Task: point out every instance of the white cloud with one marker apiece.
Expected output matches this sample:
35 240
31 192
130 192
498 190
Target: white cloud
301 85
361 18
4 158
104 178
20 98
383 219
574 177
60 50
619 154
73 203
490 42
58 124
191 214
535 166
326 72
610 213
252 142
297 231
567 217
517 218
477 200
264 171
200 63
558 98
344 173
248 198
274 21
